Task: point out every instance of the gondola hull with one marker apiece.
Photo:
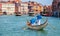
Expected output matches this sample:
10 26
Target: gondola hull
18 14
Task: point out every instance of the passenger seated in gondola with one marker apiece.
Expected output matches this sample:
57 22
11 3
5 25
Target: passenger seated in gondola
36 21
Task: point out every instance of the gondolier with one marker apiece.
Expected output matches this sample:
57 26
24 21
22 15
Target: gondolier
36 20
33 21
39 17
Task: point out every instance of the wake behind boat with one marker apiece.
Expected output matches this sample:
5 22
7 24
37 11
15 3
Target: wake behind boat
37 27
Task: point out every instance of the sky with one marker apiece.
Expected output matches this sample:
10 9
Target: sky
43 2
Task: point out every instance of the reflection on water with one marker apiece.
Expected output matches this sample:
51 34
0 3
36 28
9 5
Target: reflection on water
43 33
13 26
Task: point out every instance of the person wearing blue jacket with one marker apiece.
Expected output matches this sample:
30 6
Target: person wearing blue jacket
33 21
39 17
36 20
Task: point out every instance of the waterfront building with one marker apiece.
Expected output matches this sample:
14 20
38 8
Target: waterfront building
47 10
55 8
15 6
35 7
30 5
24 7
1 9
10 6
7 7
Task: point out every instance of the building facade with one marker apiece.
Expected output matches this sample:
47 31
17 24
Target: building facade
35 7
24 7
56 8
10 6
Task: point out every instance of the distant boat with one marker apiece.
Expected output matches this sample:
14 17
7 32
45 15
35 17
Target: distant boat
38 27
4 13
31 13
46 14
18 13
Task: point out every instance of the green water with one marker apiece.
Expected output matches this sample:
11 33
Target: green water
13 26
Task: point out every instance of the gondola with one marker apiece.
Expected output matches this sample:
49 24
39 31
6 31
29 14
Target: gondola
37 27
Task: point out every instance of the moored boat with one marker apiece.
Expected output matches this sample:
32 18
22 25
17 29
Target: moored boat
37 27
31 13
18 13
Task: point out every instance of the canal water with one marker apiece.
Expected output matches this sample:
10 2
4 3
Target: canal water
14 26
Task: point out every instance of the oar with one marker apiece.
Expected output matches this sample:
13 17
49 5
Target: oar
24 28
52 26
